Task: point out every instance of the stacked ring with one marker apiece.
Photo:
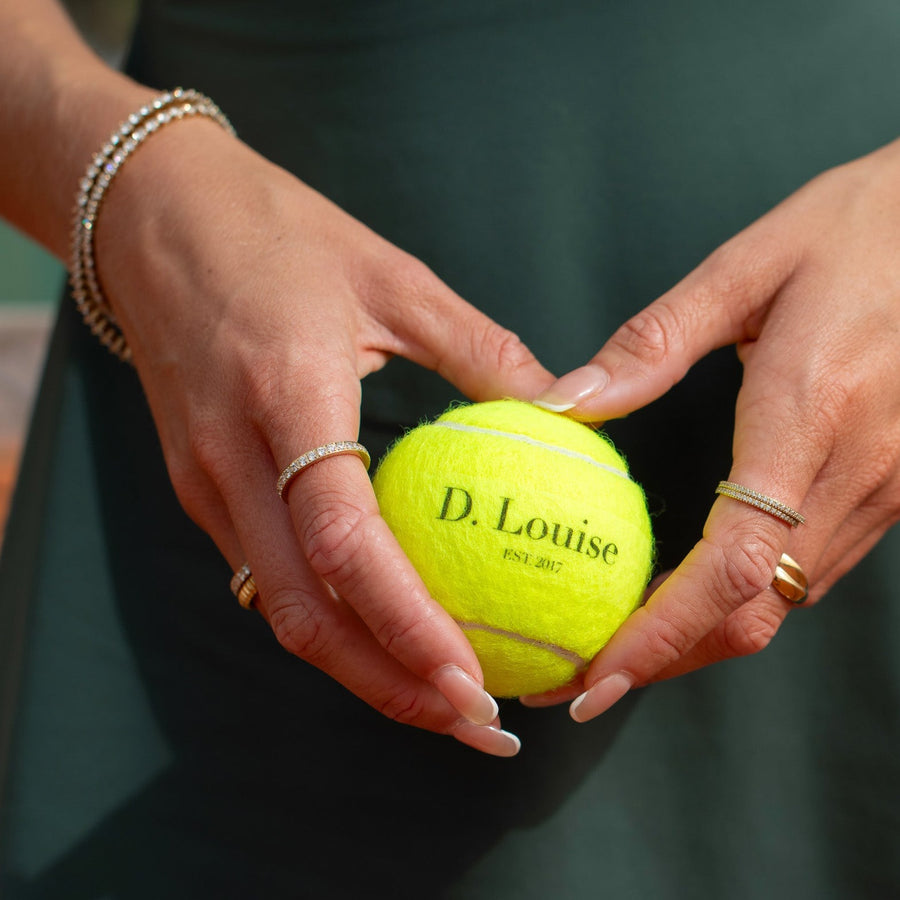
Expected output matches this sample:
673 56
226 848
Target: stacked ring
789 580
767 504
243 586
247 593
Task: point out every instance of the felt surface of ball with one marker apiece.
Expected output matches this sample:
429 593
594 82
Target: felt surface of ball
527 528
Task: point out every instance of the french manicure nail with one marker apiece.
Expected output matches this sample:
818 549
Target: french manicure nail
553 407
487 739
467 697
567 392
600 697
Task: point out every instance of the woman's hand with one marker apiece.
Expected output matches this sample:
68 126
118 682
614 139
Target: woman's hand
254 307
810 294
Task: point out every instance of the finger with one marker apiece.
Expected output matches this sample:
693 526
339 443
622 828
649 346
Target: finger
860 532
305 613
844 518
721 302
575 687
751 627
349 546
439 330
312 621
733 563
741 546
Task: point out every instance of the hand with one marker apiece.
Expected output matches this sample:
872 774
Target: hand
254 307
810 294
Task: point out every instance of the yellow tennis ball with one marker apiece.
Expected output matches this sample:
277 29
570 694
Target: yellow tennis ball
527 528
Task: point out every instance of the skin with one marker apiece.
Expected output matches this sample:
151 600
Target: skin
280 311
810 296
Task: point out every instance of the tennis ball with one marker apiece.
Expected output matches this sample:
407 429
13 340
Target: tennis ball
527 528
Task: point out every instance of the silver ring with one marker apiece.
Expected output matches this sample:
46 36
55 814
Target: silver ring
239 577
767 504
313 456
790 580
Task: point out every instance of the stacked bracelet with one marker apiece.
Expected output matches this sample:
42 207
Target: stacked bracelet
86 291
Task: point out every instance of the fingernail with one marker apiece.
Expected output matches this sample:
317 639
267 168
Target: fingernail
539 701
600 697
568 391
550 698
487 739
466 695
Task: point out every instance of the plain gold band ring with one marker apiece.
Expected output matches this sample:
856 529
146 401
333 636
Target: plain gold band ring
247 593
790 580
313 456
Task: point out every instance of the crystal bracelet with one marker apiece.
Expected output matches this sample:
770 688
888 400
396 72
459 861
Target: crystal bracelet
86 291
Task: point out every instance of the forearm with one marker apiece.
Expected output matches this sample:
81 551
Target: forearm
58 103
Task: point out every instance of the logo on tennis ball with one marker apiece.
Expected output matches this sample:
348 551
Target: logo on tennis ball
459 505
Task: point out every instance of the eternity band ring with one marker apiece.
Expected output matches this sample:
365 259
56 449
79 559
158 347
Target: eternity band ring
313 456
790 580
767 504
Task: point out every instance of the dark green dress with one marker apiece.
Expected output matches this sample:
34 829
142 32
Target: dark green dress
559 164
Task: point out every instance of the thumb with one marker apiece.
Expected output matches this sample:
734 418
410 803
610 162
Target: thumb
723 301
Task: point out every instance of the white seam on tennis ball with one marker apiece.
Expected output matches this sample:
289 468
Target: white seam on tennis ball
568 655
523 438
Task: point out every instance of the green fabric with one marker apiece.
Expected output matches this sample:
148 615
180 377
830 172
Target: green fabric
559 164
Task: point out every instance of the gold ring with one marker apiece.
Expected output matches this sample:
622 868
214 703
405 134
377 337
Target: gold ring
313 456
239 577
790 580
761 501
247 593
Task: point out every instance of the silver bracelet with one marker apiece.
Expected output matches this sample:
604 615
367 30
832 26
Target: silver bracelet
86 290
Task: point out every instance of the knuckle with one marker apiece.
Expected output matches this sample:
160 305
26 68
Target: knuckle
728 267
667 642
263 389
333 536
300 628
206 448
834 396
198 503
187 479
193 486
403 629
880 470
411 273
742 268
650 335
403 704
504 347
267 392
388 273
273 379
200 468
744 568
748 631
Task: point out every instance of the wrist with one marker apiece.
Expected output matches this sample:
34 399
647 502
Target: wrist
104 165
86 114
